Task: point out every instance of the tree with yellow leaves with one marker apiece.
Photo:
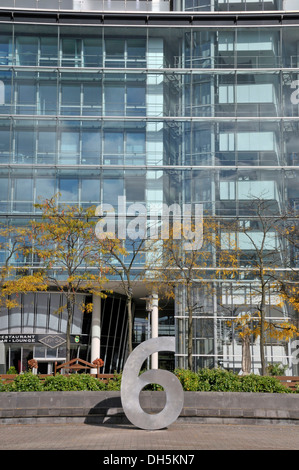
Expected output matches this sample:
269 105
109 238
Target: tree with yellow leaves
16 277
289 282
186 265
125 260
262 255
63 239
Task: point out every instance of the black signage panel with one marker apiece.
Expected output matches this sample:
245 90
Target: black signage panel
18 338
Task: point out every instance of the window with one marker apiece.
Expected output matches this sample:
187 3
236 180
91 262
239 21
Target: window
48 98
113 147
45 188
26 98
91 146
69 147
136 50
23 194
3 194
71 52
48 51
5 50
24 145
115 52
112 188
135 100
4 144
135 148
115 100
135 187
92 99
70 98
46 149
90 191
27 49
68 188
92 52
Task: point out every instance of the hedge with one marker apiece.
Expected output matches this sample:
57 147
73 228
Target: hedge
219 380
204 380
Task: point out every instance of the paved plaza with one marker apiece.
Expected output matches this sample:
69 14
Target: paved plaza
179 436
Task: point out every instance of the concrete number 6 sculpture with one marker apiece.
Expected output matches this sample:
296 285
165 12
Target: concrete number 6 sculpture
132 384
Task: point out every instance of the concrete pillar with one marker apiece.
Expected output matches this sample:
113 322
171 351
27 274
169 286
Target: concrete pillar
96 330
154 326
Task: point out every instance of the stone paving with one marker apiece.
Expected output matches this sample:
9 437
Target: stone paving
179 436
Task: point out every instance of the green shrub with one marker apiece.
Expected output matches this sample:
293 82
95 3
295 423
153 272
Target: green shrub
26 382
75 382
58 383
219 380
190 380
114 383
262 384
204 380
3 386
276 369
12 370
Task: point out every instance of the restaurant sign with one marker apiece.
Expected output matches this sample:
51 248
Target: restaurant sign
18 338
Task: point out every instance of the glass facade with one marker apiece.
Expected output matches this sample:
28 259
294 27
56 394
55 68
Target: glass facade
169 109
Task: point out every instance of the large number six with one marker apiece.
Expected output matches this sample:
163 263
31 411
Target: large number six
132 384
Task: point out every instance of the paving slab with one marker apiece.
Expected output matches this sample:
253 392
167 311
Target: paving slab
179 436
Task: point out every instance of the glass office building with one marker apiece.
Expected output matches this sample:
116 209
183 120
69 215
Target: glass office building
181 101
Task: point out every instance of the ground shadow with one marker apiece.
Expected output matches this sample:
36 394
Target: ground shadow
108 412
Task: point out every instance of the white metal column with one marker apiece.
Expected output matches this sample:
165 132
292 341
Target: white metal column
155 326
96 330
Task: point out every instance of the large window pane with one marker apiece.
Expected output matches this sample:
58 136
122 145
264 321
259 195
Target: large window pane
68 188
45 188
6 92
25 145
23 194
46 146
71 52
48 98
91 147
92 50
114 52
26 101
135 100
70 98
113 147
4 143
90 191
4 185
92 99
27 49
48 51
5 49
69 147
112 188
114 100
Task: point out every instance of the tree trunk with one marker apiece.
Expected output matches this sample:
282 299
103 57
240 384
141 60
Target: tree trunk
190 328
190 339
130 324
262 335
69 307
246 356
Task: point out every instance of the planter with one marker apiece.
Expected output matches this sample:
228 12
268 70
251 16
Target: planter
105 407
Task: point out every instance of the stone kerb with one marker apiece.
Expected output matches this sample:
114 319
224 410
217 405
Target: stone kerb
105 407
